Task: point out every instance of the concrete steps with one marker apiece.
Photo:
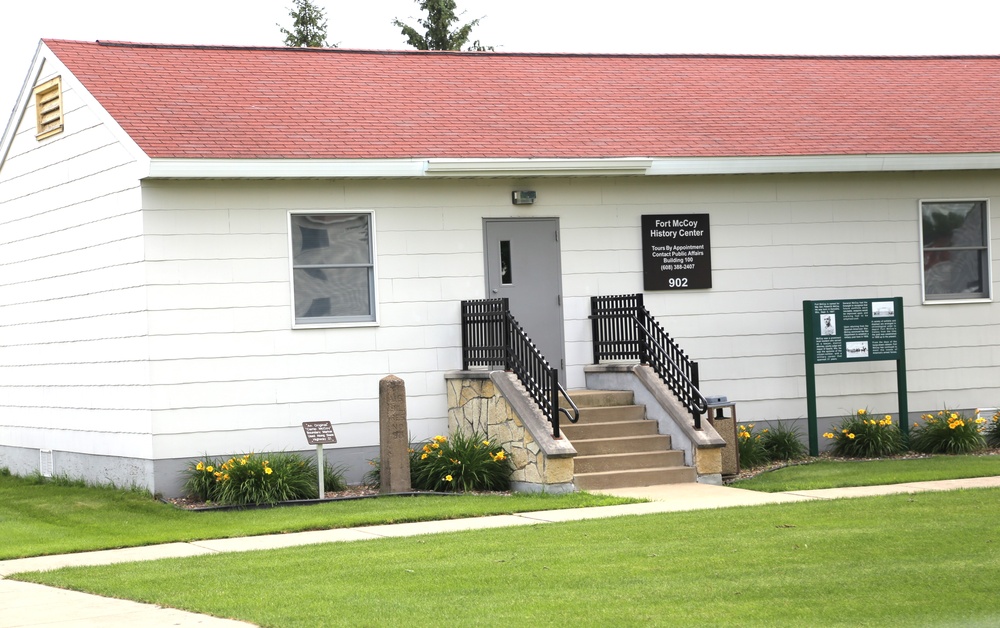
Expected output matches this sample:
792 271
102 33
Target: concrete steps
618 447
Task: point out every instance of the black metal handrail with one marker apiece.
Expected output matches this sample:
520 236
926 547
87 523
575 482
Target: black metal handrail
623 329
492 337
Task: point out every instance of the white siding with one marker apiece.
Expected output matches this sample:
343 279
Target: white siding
73 374
229 374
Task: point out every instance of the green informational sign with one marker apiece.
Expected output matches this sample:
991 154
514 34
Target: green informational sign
855 330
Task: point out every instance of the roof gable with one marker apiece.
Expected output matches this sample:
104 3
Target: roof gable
240 103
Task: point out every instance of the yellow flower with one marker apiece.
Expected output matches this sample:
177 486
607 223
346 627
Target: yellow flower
851 436
434 446
268 470
440 439
844 431
427 449
827 435
953 416
210 468
764 431
200 466
980 420
423 456
486 442
447 478
225 477
500 455
862 412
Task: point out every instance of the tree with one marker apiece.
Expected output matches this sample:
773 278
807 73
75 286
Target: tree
438 35
308 26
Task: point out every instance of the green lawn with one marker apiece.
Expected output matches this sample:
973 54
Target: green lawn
836 474
38 519
901 560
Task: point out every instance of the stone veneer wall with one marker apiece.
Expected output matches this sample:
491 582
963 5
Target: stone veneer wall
491 404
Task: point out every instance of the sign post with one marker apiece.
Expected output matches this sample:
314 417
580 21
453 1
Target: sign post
858 330
319 433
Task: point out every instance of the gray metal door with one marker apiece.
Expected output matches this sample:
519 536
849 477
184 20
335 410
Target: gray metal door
522 264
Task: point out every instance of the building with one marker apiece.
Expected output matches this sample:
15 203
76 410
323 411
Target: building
166 213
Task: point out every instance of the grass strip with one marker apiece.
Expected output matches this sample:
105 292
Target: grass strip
837 474
50 518
900 560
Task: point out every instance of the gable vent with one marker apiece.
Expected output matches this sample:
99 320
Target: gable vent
48 108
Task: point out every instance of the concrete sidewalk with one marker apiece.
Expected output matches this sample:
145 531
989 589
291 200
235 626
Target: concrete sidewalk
24 604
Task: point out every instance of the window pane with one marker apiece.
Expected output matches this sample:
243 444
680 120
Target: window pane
325 239
954 224
333 292
954 273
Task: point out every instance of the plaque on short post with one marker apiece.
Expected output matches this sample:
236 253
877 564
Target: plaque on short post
319 433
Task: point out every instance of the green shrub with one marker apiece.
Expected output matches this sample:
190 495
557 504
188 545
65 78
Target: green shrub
862 436
992 431
782 443
751 447
333 478
948 432
253 479
463 463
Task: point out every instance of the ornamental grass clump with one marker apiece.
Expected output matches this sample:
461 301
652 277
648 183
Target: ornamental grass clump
461 463
861 435
992 431
751 446
782 443
253 479
948 432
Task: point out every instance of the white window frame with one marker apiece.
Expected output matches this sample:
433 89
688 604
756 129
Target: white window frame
328 322
987 267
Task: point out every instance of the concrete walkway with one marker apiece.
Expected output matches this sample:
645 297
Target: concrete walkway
24 604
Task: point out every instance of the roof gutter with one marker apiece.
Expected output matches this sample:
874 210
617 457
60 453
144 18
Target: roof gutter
174 168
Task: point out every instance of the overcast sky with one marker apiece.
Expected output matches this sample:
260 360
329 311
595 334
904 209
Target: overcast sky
879 27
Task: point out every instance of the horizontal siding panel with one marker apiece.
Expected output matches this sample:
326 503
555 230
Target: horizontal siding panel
71 307
63 284
95 397
62 375
123 325
134 350
51 186
218 296
127 444
58 243
229 246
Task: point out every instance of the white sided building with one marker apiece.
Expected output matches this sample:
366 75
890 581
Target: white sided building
203 247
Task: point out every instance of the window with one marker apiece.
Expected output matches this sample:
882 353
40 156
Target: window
48 109
333 268
956 254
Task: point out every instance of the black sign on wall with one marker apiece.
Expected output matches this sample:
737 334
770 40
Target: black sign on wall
676 252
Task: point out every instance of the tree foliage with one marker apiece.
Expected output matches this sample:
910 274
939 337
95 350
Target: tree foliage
308 26
438 33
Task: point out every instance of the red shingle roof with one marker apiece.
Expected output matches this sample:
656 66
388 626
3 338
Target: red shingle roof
229 102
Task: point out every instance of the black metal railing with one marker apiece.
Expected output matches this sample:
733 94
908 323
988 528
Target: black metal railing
623 329
491 337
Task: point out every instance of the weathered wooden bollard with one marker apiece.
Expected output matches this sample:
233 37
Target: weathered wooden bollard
394 466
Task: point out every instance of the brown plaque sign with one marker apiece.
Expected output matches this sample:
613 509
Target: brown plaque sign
319 432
